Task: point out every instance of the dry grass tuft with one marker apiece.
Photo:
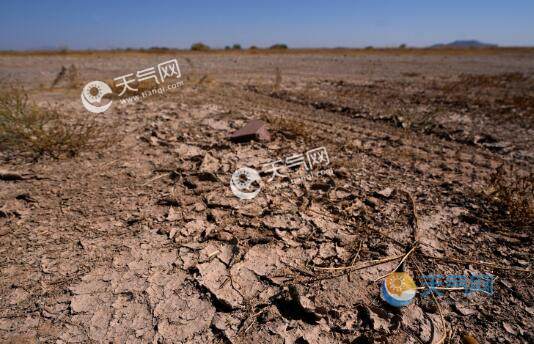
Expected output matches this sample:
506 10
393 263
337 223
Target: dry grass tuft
31 130
512 194
70 77
507 202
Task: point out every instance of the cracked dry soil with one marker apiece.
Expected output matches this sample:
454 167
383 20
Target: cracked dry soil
143 241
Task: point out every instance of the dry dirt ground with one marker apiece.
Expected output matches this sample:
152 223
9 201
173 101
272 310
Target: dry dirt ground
144 242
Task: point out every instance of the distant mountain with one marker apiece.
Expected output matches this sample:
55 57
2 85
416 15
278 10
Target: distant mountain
465 44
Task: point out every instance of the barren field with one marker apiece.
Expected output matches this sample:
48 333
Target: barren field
141 240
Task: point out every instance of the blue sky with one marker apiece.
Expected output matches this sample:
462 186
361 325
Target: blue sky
36 24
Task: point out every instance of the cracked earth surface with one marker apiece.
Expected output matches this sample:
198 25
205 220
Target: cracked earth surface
144 242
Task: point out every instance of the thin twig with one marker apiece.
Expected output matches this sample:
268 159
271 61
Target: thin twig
398 266
156 178
415 217
369 264
214 253
302 271
252 322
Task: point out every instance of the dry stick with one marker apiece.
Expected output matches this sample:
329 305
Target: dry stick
415 217
319 213
398 266
252 322
302 271
213 253
156 178
415 235
351 267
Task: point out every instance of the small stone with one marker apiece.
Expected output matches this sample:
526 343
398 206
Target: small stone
386 193
255 129
173 215
464 310
509 328
187 151
18 295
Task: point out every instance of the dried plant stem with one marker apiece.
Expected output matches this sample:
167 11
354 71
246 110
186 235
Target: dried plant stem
368 264
401 262
252 322
156 178
416 236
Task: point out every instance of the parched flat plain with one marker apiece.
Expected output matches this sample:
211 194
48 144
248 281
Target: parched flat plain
143 240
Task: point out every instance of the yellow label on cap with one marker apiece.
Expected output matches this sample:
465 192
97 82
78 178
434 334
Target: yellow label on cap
399 282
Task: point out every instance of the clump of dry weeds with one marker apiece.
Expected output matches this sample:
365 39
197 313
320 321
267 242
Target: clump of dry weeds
513 194
31 130
69 76
509 199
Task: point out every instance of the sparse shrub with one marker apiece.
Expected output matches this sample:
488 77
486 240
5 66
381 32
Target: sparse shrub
199 47
236 47
279 46
73 76
60 76
506 202
227 47
402 46
369 47
28 129
253 47
69 77
512 195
